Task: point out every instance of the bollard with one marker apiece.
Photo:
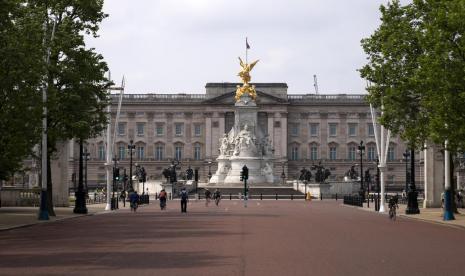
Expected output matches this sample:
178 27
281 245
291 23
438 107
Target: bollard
292 197
276 196
336 196
321 196
261 196
230 197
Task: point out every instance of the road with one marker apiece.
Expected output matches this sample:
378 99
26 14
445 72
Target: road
266 238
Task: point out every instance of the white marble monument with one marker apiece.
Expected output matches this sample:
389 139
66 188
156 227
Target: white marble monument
244 144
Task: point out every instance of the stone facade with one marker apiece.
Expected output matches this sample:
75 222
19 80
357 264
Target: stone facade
304 130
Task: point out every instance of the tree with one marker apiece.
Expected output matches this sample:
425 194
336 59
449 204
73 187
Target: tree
77 94
417 68
21 75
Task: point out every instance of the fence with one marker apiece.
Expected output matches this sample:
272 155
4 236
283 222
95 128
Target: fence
353 200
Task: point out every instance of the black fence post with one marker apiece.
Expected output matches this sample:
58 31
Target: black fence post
261 196
321 196
292 197
230 197
336 196
276 196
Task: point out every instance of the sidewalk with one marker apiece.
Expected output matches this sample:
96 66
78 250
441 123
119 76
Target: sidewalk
432 215
17 217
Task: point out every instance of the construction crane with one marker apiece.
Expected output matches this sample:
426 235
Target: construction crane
110 141
315 84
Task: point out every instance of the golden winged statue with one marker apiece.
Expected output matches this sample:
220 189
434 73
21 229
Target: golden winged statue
244 74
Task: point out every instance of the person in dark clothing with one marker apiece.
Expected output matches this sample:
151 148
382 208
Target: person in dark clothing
184 198
217 196
134 199
162 197
208 197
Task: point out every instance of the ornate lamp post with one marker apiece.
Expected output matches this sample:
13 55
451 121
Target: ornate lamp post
412 204
361 150
86 156
80 203
131 148
406 155
114 201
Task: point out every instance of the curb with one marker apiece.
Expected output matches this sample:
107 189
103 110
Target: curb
461 227
48 221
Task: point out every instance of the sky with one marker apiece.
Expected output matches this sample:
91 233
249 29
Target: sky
177 46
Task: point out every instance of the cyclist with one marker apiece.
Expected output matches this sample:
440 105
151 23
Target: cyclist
162 198
217 196
393 205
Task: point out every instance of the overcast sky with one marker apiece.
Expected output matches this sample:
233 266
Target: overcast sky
177 46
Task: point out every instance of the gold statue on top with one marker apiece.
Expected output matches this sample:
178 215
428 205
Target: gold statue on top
244 74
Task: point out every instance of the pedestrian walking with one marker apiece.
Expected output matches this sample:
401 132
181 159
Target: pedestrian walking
123 198
134 201
208 196
162 198
217 196
184 198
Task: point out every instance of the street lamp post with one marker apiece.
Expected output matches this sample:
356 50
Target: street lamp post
80 203
114 201
406 155
361 150
378 186
86 158
131 148
412 196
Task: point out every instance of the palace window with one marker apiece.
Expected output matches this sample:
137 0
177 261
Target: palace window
294 129
371 130
314 129
121 152
352 129
371 153
140 152
391 154
178 152
197 130
178 129
140 129
295 153
197 149
159 129
159 149
314 152
332 129
352 153
101 152
121 129
332 153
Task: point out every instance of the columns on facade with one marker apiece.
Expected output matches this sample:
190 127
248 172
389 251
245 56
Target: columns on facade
283 146
208 135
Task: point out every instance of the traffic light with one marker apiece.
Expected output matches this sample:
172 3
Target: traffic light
242 175
245 171
116 174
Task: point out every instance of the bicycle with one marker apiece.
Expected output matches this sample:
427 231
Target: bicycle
393 205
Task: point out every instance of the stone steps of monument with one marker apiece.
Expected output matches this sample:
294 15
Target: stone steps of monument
256 192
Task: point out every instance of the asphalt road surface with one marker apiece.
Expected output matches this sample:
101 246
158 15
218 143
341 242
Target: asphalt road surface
266 238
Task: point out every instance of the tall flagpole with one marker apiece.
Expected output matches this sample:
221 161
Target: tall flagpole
246 50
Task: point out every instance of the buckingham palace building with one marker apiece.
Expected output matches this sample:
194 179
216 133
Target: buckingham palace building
304 129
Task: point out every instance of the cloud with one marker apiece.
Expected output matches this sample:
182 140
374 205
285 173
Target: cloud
174 46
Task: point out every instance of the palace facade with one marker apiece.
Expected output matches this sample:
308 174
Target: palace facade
305 129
